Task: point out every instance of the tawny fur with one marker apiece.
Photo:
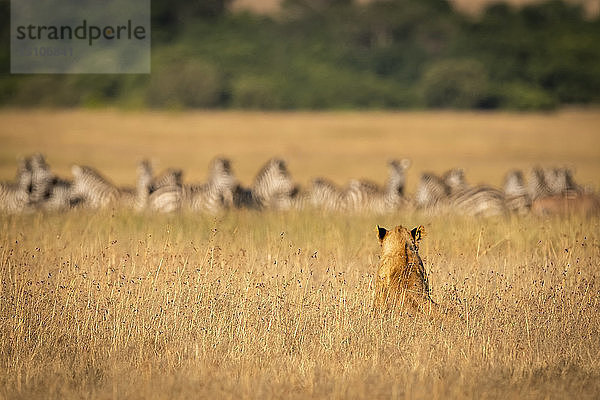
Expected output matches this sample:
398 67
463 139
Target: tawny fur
584 204
401 279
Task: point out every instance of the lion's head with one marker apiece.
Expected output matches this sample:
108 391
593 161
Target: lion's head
400 240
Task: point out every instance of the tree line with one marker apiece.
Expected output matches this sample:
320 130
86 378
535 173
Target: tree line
338 54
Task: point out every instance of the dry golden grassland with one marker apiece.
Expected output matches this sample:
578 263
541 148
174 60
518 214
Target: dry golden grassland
336 145
248 306
268 305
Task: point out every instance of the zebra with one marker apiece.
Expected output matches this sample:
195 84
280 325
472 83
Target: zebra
59 197
47 191
452 193
147 183
41 179
96 192
560 181
480 200
163 193
143 183
242 197
397 176
364 195
455 180
169 177
431 192
217 193
15 196
213 196
325 195
515 192
359 194
23 176
551 181
272 188
537 186
166 199
166 194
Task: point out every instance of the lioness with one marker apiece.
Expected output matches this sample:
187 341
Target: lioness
401 279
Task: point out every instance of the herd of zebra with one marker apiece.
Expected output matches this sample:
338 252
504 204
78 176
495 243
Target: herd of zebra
547 190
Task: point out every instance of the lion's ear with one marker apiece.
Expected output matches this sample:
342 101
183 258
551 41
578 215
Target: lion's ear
418 233
381 233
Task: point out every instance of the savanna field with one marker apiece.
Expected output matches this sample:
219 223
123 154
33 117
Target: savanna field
247 304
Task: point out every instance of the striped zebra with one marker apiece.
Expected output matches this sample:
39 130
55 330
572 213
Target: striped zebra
360 194
166 192
96 192
537 186
143 183
169 177
215 195
59 197
367 196
451 193
166 199
397 176
515 192
242 197
271 189
551 181
147 184
325 195
455 180
23 175
560 181
15 196
432 192
479 201
47 191
41 179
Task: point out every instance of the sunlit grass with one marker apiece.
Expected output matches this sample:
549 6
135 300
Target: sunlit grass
267 305
279 305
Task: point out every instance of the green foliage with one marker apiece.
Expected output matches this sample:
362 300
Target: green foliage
338 54
551 46
47 90
255 92
455 84
520 96
183 85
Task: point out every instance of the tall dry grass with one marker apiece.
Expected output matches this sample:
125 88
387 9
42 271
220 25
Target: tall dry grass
249 305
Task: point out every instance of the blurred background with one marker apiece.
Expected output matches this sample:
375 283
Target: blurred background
474 84
343 54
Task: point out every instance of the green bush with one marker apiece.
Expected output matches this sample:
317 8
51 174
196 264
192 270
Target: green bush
519 96
455 84
47 90
255 92
185 85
